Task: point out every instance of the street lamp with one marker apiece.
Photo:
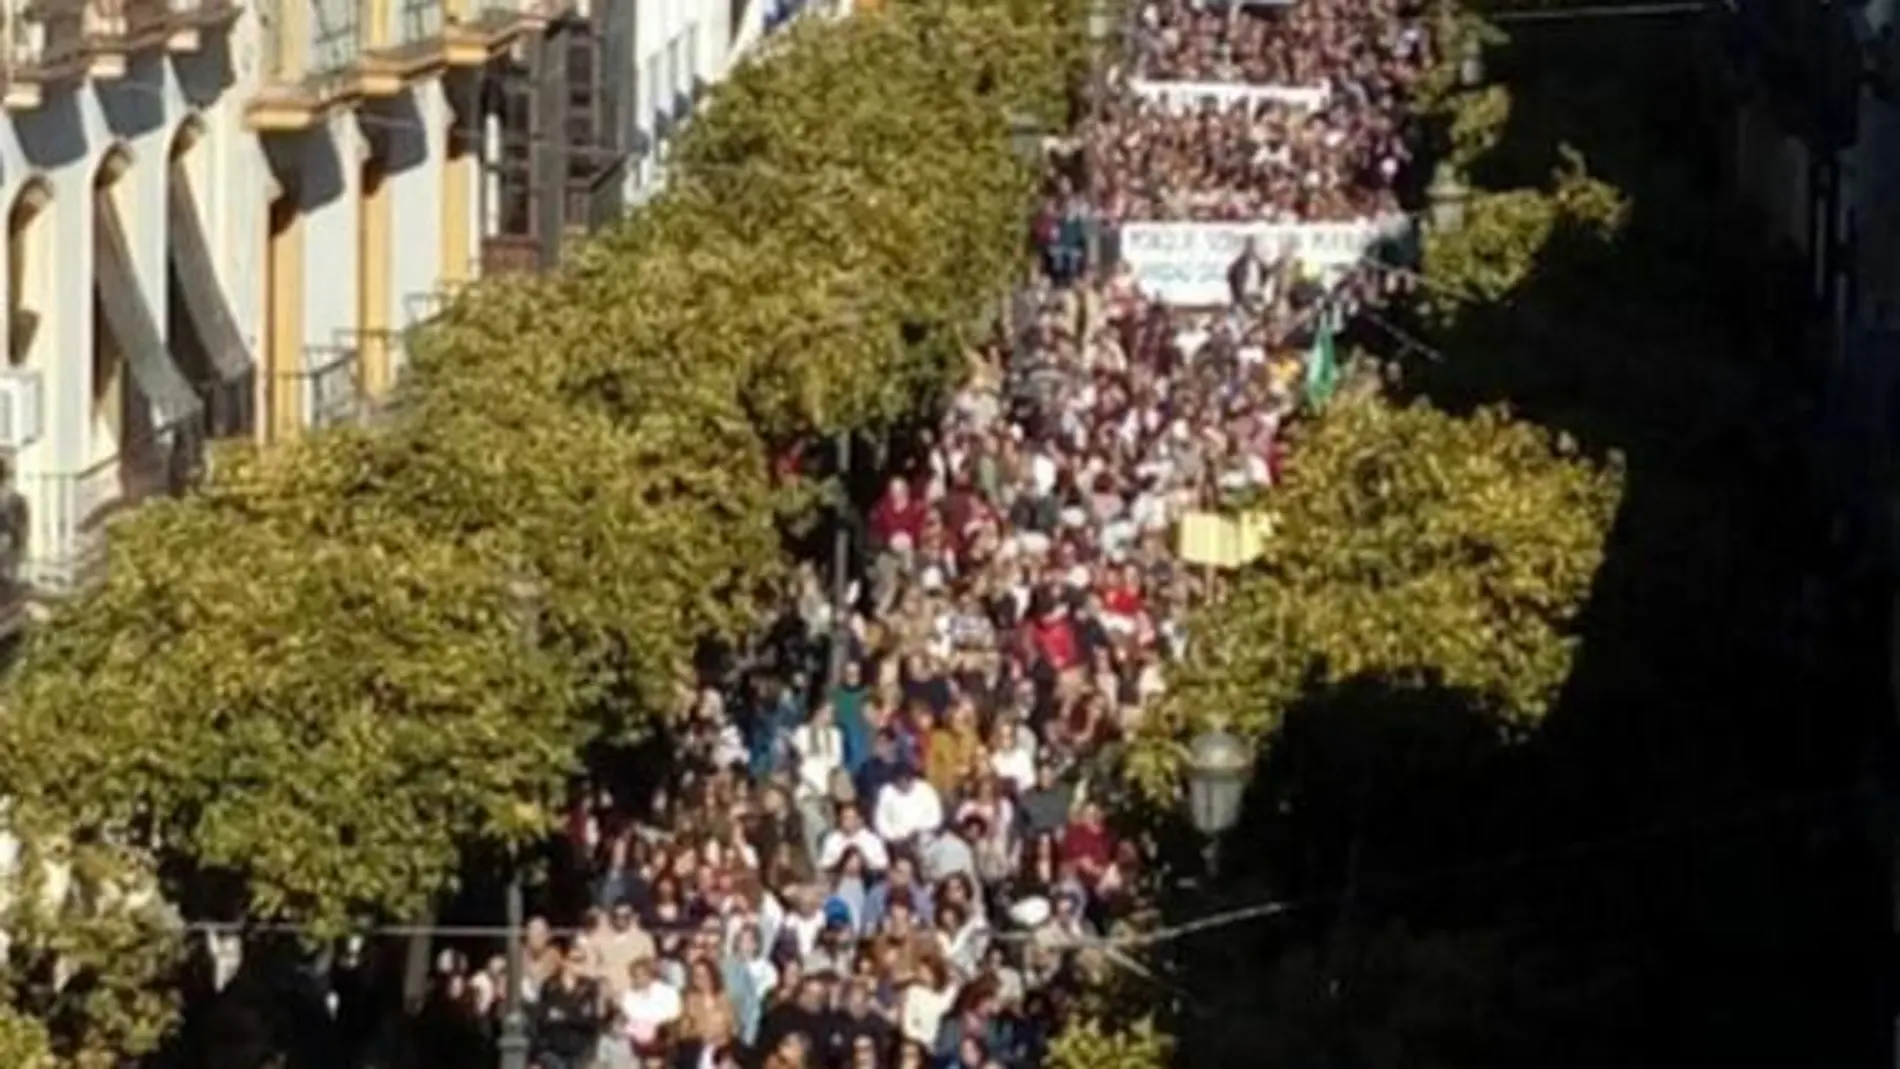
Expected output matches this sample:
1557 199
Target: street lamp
1471 64
1026 137
1448 196
526 598
1218 766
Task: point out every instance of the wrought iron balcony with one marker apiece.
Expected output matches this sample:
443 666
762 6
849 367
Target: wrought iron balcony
311 54
46 45
456 33
191 15
329 387
68 512
332 41
120 27
320 53
53 41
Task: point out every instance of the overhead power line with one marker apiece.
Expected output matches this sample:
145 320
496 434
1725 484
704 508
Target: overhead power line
1600 12
1706 825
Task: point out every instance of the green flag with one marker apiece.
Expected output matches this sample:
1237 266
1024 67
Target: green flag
1322 364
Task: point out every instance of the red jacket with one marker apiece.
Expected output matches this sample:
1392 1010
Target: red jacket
890 519
1054 641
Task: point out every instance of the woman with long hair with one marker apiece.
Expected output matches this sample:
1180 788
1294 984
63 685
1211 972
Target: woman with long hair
706 1015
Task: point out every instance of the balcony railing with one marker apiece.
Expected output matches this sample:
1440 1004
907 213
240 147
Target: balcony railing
46 38
334 37
320 53
330 386
54 40
416 22
192 13
128 23
66 544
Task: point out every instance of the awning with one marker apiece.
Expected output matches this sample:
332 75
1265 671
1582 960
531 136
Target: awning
197 278
209 348
129 316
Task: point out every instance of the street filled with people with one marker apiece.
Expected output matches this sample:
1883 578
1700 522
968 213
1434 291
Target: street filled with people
894 851
1280 112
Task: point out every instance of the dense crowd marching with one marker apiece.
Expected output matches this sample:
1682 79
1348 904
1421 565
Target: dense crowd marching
911 868
1328 152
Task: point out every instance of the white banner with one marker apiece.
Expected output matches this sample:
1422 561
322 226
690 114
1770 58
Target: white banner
1188 96
1186 263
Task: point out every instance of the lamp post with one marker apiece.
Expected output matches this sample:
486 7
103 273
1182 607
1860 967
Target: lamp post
525 599
1448 196
1218 766
840 570
1026 137
1471 64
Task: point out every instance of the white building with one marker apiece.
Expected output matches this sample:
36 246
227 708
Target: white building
681 48
222 215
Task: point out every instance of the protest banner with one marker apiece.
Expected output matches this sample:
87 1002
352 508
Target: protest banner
1186 263
1187 96
1223 542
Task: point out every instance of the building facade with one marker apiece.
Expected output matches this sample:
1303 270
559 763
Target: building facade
224 216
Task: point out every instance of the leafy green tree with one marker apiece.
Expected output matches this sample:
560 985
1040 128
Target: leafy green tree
294 686
309 681
1408 543
89 947
1090 1043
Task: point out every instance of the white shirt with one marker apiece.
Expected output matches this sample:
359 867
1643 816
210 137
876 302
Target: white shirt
649 1009
1017 766
923 1011
820 753
864 840
805 928
1042 472
902 814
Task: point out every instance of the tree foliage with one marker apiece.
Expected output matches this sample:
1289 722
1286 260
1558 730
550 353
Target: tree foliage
88 946
1509 234
1410 544
310 681
1090 1043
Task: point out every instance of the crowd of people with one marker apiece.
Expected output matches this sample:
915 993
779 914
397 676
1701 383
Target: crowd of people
1304 121
1245 161
883 844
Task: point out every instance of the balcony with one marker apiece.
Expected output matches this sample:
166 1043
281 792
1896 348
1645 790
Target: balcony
190 18
323 53
55 41
120 28
46 46
67 513
478 28
328 392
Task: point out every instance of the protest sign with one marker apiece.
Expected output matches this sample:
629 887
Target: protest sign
1187 96
1223 542
1186 263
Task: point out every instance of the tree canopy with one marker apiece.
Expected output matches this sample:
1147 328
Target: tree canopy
310 680
1409 544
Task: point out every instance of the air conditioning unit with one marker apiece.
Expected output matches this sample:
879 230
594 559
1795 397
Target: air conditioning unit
21 404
